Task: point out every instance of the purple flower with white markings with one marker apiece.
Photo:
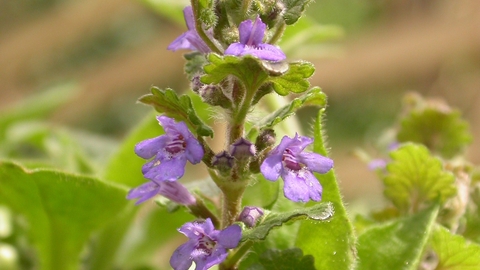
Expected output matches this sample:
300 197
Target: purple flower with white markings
251 36
295 167
189 40
206 246
170 151
171 190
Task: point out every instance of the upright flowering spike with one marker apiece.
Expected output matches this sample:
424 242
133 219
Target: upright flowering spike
170 152
251 36
189 40
206 246
295 167
171 190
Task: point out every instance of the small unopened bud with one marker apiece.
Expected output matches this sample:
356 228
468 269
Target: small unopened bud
223 161
196 84
250 215
176 192
242 149
265 139
213 95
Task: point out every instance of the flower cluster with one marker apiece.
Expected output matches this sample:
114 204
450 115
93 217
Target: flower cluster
167 155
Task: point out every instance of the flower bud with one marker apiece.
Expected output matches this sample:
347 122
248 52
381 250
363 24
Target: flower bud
223 161
242 149
196 84
265 139
250 215
213 95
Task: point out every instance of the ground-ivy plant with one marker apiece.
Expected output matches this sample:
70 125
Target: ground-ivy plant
268 199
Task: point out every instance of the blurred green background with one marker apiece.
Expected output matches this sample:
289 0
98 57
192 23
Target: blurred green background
102 55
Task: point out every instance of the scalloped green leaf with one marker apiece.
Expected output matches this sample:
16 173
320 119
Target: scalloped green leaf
332 243
398 244
294 10
288 259
314 97
453 251
62 210
177 107
320 212
436 126
247 69
295 79
415 178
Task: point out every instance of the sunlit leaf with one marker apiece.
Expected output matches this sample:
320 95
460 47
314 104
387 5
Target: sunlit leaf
294 80
453 251
332 243
415 178
289 259
294 10
398 244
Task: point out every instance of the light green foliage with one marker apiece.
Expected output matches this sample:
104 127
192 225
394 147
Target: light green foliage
289 259
253 73
247 69
268 189
398 244
318 212
314 97
295 79
61 209
124 166
415 178
453 251
331 243
180 108
294 10
436 126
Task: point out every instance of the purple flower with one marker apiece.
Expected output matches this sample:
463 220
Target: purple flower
250 215
171 190
295 167
377 164
189 40
170 151
251 36
206 246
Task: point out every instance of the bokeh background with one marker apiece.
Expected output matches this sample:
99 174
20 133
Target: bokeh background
105 54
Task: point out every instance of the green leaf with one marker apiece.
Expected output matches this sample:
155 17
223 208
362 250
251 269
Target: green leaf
320 212
415 178
294 10
289 259
436 126
268 189
247 69
294 80
332 244
453 251
125 167
398 244
314 96
180 108
62 210
194 64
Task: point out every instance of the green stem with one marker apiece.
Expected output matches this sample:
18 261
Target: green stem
232 202
199 28
232 261
278 33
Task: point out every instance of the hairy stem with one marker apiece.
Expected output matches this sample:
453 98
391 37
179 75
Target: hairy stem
278 33
199 28
232 261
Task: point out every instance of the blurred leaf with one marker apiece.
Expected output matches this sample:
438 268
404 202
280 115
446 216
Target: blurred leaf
398 244
314 97
177 107
295 79
436 126
62 210
194 64
331 243
289 259
171 9
36 106
268 189
414 178
320 212
294 10
248 69
125 167
308 31
453 251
